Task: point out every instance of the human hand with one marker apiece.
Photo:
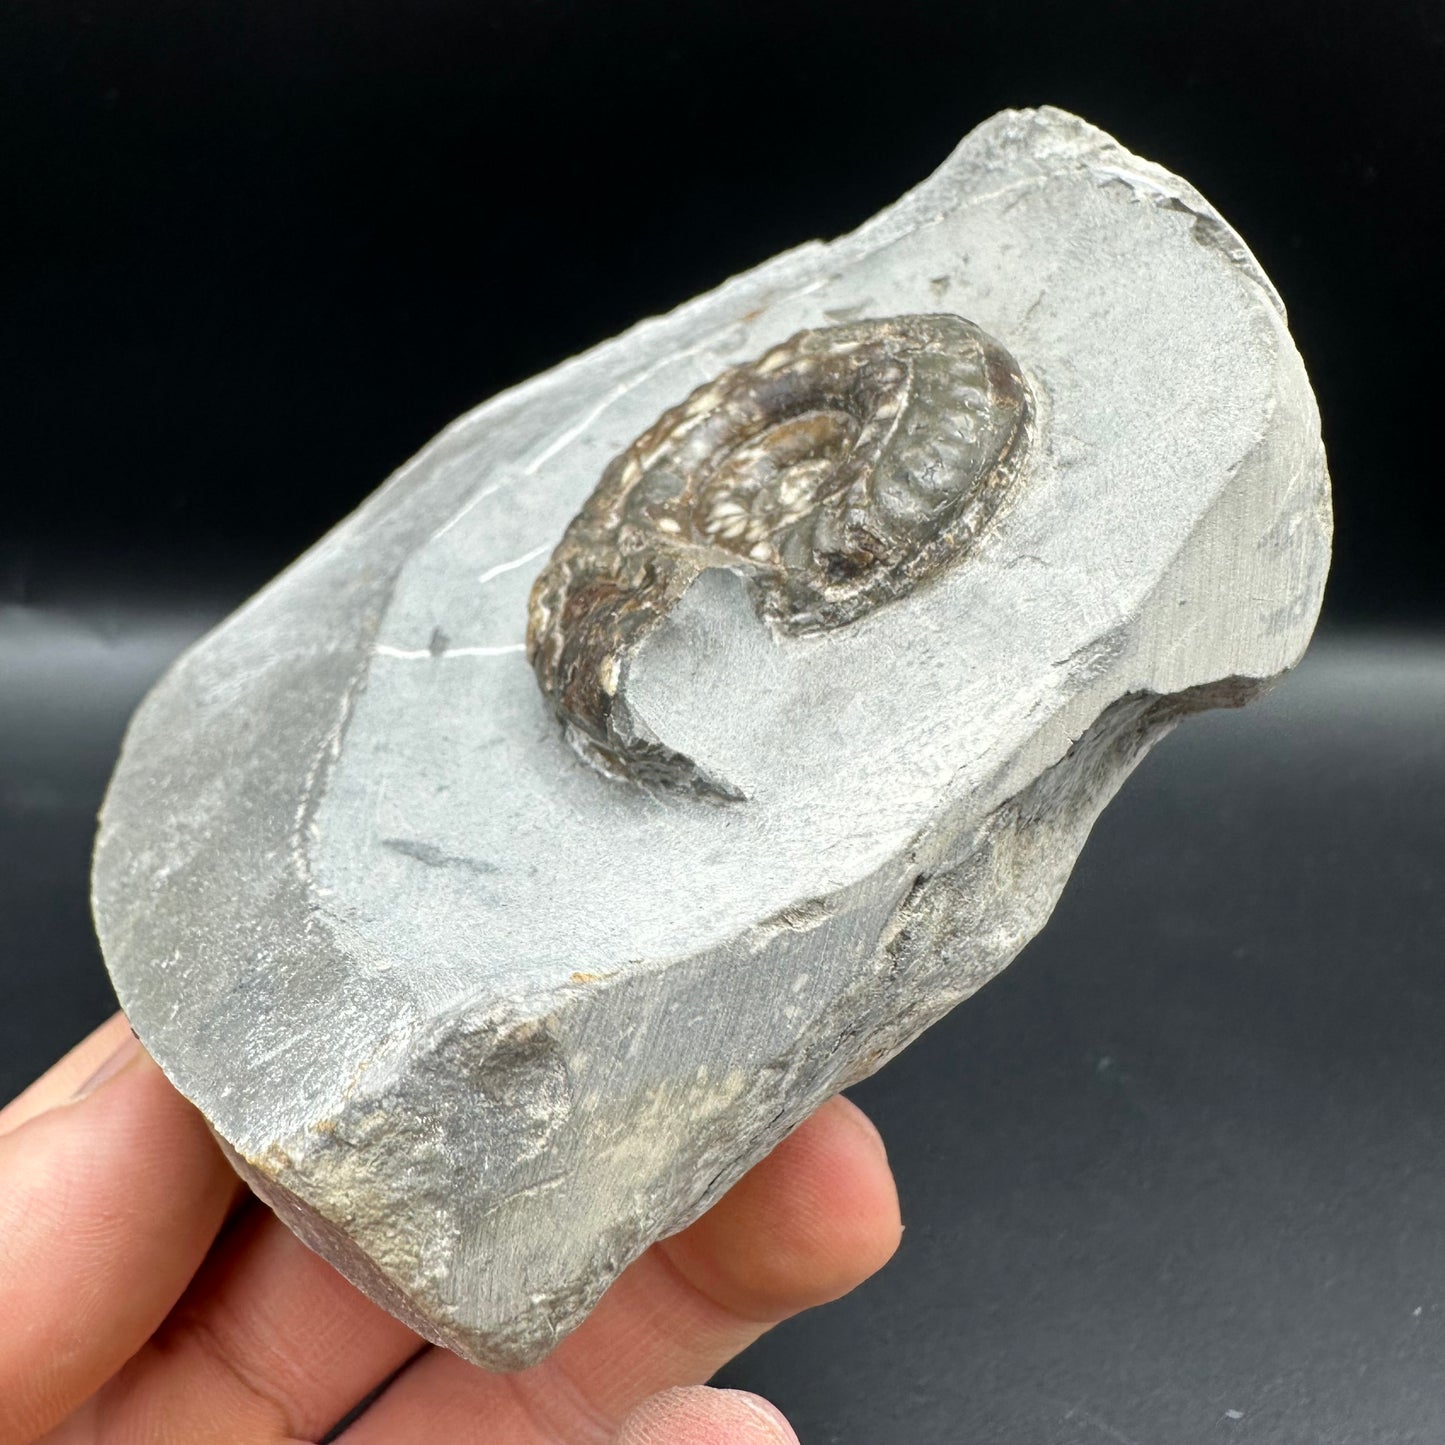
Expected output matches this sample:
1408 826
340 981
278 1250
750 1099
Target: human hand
146 1296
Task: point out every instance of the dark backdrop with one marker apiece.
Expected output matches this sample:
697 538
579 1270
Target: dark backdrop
1180 1173
259 253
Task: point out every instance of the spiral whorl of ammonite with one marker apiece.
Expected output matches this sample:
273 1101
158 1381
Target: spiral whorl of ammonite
837 472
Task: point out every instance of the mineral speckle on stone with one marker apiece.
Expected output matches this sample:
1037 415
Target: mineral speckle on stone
480 1019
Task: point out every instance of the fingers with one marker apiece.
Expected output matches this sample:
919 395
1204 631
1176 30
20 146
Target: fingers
701 1416
108 1202
812 1220
268 1345
64 1078
807 1225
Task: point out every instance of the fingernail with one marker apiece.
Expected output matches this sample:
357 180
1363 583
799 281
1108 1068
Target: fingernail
768 1415
128 1051
866 1128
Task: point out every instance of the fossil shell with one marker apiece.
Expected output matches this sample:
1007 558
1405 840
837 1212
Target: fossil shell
837 472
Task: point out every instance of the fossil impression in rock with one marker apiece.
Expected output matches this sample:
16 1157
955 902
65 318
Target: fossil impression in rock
682 732
838 471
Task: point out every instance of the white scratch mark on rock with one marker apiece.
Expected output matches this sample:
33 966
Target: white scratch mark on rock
513 564
489 490
610 399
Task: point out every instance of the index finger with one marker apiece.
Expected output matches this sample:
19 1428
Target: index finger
109 1200
64 1078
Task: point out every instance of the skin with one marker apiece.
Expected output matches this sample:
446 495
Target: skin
158 1302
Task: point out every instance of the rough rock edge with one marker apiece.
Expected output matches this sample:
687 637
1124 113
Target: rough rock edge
804 1080
1098 153
956 927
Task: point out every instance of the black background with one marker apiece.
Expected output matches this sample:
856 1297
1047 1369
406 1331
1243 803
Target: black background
259 253
1178 1175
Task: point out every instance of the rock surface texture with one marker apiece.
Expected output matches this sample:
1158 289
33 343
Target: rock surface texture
482 1015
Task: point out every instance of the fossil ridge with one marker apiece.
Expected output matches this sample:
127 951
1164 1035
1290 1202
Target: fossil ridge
835 473
481 1021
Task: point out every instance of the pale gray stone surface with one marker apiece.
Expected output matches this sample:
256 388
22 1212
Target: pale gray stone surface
480 1022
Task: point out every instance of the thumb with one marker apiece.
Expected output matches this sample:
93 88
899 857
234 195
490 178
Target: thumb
701 1416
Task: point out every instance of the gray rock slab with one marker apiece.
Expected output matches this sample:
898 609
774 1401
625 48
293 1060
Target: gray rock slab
480 1022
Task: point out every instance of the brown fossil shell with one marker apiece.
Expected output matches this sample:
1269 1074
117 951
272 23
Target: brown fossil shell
837 472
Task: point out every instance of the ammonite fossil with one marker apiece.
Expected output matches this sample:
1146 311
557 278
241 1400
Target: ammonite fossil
837 472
